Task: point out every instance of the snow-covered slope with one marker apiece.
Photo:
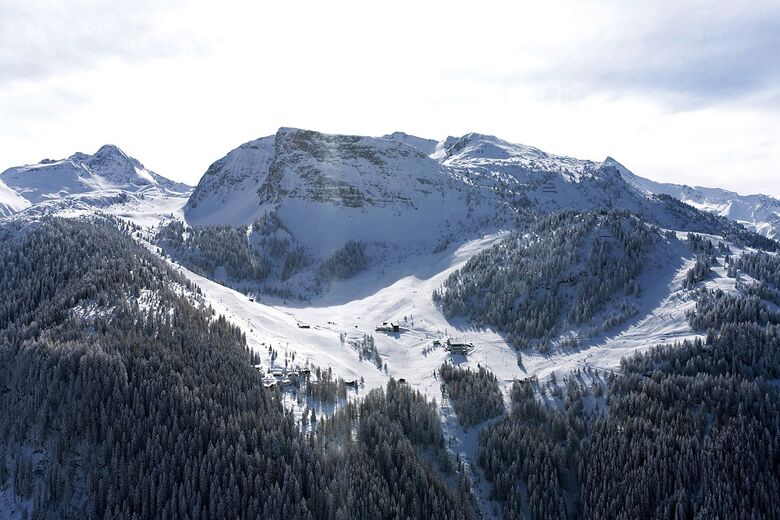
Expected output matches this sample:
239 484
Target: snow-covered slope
10 201
542 181
760 213
227 192
329 189
109 180
402 293
489 156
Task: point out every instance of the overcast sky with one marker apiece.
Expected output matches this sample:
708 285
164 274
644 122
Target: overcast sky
686 92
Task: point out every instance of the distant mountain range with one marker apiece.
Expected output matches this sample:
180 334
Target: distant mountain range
760 213
397 188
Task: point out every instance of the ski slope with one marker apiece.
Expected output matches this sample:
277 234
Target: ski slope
401 293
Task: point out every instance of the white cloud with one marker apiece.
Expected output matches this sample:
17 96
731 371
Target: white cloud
655 87
41 38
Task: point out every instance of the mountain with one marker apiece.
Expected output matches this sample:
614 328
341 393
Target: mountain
328 189
484 154
107 169
405 193
109 180
760 213
528 284
548 182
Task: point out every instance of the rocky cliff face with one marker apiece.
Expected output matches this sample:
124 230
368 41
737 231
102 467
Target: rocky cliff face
332 188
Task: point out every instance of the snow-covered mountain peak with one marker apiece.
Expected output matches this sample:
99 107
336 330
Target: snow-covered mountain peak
490 158
338 170
107 169
113 164
305 165
109 180
110 153
484 146
328 188
106 153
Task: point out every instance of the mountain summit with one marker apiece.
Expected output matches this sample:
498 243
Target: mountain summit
328 189
107 169
108 180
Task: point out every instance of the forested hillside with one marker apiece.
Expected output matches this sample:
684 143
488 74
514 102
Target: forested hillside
123 397
570 268
690 430
265 255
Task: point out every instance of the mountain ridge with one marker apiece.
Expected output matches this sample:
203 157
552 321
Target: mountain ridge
331 188
395 171
758 212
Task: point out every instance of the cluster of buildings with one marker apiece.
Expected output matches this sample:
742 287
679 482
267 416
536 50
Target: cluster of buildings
282 376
